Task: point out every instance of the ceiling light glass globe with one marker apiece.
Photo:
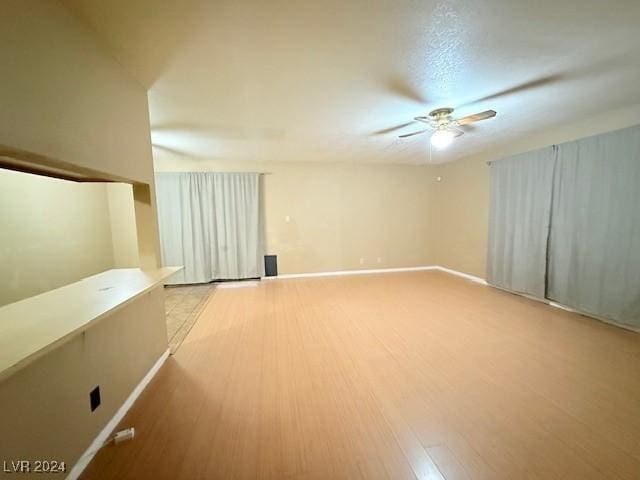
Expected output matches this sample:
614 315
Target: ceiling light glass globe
442 138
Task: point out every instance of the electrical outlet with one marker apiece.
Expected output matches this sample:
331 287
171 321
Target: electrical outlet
379 260
94 398
362 261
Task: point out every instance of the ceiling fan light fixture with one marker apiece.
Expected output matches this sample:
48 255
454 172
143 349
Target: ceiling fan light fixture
442 138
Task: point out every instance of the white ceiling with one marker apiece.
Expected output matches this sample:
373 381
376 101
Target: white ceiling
314 80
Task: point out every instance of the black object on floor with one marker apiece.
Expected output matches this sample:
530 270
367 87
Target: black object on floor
270 265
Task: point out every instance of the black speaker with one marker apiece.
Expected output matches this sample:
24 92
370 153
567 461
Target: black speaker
270 265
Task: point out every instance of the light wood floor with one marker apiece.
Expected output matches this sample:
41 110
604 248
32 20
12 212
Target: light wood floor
409 375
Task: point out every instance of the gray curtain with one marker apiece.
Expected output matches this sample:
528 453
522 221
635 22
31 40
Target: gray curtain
210 223
520 206
594 246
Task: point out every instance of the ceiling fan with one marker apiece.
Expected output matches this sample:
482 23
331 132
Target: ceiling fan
446 127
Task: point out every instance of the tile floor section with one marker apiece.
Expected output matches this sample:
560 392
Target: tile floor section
183 305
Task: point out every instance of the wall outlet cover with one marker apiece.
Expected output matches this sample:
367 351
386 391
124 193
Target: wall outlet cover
94 398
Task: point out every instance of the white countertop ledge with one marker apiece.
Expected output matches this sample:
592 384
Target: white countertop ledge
34 326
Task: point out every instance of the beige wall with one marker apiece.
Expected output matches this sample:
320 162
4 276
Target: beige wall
123 225
340 213
62 96
65 98
462 216
463 193
54 233
45 408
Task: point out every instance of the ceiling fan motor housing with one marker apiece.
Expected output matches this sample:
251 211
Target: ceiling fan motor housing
440 113
438 118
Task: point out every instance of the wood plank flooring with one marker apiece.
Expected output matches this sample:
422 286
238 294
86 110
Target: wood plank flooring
390 376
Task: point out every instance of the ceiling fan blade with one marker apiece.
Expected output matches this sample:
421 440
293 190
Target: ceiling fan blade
423 119
391 129
404 89
412 134
530 85
476 117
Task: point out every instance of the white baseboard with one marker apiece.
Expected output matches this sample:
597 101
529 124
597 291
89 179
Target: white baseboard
380 270
351 272
561 307
551 303
97 443
473 278
546 301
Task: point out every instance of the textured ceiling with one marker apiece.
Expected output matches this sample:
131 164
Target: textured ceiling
322 81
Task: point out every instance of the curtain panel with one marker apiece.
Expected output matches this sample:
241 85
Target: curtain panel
594 246
211 224
564 225
520 207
